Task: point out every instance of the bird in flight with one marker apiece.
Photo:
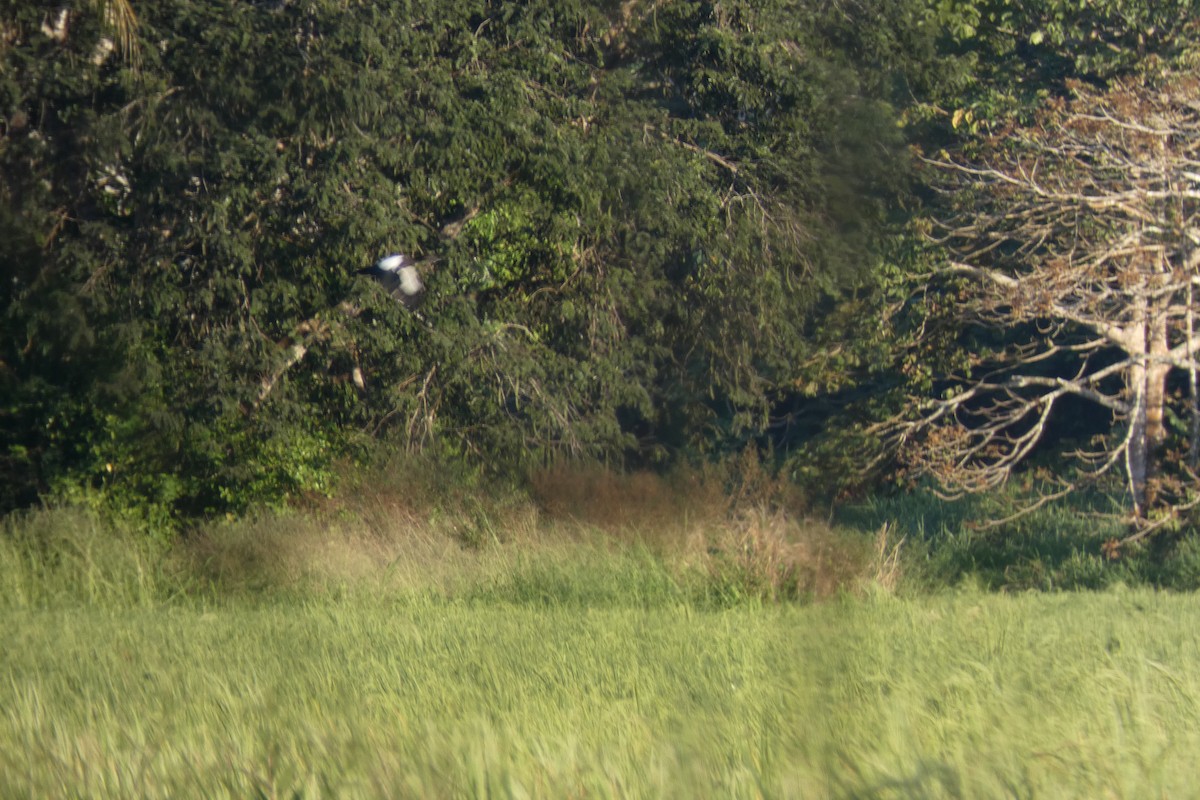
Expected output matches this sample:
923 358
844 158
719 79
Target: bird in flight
398 275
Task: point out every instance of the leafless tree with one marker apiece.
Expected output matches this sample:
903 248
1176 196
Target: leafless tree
1077 235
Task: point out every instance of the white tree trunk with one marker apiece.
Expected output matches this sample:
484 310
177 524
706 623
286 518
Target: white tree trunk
1136 451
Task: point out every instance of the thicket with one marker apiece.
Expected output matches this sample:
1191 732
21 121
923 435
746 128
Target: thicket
663 231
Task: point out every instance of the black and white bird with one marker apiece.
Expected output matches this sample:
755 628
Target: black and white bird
398 274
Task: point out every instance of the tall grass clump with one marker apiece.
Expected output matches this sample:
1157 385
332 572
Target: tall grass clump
662 505
768 556
403 525
728 534
1178 565
658 510
71 556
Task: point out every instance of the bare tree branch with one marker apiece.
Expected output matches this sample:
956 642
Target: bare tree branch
1081 227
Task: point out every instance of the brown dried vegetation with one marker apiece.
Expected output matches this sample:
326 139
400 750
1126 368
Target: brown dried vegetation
729 534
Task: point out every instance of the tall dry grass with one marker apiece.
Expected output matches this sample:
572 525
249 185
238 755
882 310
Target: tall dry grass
573 534
737 525
771 556
719 535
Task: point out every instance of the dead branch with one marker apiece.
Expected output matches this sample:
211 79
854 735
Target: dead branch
1082 226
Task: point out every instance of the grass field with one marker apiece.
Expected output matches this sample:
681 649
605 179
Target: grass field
960 695
473 649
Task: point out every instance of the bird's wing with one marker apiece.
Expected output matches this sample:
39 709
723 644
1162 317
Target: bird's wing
410 281
393 262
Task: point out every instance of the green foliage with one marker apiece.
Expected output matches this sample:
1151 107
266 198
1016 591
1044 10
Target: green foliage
633 216
965 74
660 234
1180 570
1002 57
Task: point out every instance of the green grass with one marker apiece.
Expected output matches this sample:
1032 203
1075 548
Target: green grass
486 646
958 695
1062 546
69 557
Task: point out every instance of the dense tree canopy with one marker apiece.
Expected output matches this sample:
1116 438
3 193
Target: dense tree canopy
648 230
630 208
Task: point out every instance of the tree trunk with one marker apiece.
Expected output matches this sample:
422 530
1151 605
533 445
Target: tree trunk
1137 453
1139 337
1193 381
1156 397
1146 383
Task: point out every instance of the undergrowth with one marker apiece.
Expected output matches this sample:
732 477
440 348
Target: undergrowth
430 634
68 556
578 536
1076 544
572 536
